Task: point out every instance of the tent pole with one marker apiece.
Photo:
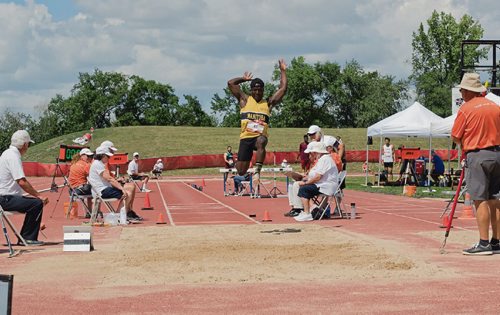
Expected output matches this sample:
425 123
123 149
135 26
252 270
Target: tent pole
367 168
379 159
430 164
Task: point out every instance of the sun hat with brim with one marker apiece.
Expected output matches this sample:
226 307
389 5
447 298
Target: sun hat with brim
472 82
103 150
313 129
86 151
135 154
21 137
108 144
330 141
318 147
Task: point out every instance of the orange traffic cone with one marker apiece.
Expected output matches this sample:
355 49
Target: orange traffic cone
203 182
467 211
267 217
147 203
446 220
161 219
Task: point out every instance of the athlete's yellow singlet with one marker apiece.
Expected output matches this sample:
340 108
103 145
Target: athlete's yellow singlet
254 118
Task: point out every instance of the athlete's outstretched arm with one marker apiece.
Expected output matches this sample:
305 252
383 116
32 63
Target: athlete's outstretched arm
278 96
234 87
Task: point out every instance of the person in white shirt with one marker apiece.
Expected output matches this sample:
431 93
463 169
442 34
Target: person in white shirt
157 168
133 172
322 179
12 184
107 186
388 156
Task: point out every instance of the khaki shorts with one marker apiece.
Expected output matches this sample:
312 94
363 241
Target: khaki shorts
483 174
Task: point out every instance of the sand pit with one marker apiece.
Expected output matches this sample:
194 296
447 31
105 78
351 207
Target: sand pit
198 255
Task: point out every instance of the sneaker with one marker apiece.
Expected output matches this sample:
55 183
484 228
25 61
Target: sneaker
132 216
293 213
145 190
31 243
478 249
304 217
495 248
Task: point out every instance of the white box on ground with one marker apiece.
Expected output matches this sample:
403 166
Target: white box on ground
77 239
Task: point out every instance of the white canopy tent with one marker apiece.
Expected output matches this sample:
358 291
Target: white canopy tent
493 97
414 121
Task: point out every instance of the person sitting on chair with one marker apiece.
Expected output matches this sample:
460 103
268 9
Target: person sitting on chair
322 179
437 169
229 158
78 174
238 186
12 184
158 168
133 172
107 186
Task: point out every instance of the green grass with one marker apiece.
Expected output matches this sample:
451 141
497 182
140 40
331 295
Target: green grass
164 141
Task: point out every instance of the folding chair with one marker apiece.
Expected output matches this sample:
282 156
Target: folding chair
98 200
4 217
74 197
322 201
246 189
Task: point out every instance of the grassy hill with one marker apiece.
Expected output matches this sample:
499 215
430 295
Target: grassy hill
159 141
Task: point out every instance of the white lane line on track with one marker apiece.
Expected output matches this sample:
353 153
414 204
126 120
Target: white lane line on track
411 218
169 215
224 205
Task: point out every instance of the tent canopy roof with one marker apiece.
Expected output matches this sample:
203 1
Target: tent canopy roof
415 120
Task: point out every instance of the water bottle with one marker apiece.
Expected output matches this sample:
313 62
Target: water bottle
123 216
353 211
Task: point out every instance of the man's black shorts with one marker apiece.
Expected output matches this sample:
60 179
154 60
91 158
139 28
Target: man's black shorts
137 177
389 164
247 146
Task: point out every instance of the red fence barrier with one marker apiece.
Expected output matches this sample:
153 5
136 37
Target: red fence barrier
217 160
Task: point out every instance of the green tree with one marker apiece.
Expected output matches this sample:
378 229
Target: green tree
436 58
192 114
11 122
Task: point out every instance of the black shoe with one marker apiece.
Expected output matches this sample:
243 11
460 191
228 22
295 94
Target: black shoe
133 216
495 248
478 249
30 243
293 213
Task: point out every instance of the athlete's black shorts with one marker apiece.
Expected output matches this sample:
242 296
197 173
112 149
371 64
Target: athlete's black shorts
247 146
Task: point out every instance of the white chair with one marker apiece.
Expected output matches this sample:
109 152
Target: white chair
323 201
74 197
4 217
108 203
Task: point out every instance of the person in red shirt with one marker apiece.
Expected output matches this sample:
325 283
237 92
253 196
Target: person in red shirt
305 163
78 173
477 131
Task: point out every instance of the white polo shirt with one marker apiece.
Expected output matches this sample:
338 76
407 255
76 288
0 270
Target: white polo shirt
329 174
133 168
11 170
95 176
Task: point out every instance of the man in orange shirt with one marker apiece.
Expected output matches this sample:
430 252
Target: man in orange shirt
477 130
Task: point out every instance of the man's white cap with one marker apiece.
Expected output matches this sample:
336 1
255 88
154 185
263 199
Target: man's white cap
103 150
330 141
20 137
159 160
135 154
86 151
313 129
318 147
108 144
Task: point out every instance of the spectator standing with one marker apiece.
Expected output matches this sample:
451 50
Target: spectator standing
304 157
477 130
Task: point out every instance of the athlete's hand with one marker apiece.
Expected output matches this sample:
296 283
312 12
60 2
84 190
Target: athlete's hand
282 64
247 76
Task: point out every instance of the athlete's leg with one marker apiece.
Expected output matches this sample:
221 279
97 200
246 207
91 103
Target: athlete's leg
261 153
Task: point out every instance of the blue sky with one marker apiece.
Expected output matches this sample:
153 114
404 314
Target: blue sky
197 45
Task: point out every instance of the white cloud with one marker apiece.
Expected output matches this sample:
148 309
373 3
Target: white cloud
197 45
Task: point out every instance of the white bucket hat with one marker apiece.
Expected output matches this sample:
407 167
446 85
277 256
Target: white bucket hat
313 129
318 147
472 82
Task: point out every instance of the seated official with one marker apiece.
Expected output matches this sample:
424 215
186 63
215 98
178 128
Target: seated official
437 169
133 171
322 179
238 187
12 184
107 186
158 168
78 174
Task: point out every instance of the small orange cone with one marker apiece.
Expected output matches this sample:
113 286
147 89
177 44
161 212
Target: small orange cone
467 211
147 203
161 219
267 217
203 182
446 220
